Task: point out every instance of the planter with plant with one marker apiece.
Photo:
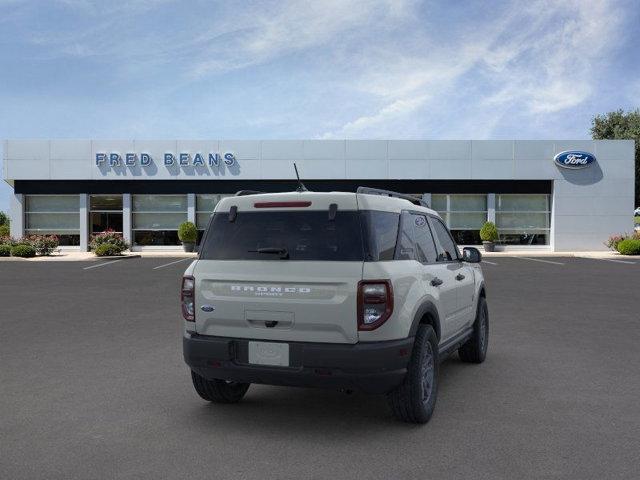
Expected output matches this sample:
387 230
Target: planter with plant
489 236
188 235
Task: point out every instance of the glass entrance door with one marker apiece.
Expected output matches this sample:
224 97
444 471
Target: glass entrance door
106 213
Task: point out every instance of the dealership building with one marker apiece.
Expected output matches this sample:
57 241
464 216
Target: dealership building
555 195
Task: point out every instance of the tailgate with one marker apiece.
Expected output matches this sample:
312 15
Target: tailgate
305 301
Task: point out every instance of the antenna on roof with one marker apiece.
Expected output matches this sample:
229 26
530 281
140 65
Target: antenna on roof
301 187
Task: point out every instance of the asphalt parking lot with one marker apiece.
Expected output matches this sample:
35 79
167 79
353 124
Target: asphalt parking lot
92 385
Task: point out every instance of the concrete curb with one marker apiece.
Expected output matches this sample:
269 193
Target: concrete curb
116 257
533 254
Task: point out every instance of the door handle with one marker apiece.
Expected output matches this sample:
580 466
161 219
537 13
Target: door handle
460 277
436 282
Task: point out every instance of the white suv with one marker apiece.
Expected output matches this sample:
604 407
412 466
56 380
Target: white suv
356 291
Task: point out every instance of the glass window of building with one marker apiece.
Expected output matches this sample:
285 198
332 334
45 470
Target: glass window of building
464 215
205 204
54 215
523 219
156 219
106 213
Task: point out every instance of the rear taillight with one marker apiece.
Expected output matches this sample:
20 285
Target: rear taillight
375 303
187 298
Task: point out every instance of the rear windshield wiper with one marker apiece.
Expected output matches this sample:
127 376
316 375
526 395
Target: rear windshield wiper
284 254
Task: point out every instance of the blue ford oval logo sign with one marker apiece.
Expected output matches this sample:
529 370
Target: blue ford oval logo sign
574 159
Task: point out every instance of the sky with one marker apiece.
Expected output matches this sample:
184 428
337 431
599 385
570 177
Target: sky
290 69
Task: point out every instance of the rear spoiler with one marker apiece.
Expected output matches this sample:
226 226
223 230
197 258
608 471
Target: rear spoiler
365 190
389 193
242 193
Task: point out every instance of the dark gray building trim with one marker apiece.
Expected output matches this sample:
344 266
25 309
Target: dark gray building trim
141 186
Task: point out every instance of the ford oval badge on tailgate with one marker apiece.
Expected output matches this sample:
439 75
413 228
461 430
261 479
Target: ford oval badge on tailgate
207 308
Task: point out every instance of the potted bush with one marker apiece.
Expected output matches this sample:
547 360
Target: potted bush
489 236
188 235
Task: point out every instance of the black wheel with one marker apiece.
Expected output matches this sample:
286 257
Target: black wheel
219 391
415 400
475 349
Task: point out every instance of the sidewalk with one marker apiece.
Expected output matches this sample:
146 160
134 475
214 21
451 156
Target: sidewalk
72 255
75 256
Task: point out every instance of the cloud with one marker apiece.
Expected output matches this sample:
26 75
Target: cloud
394 110
362 68
540 58
552 66
292 26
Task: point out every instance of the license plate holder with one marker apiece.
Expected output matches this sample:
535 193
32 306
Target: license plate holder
269 353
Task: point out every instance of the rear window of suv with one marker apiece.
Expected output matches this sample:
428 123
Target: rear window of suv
304 235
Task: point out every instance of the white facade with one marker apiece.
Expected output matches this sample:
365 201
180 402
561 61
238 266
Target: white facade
586 205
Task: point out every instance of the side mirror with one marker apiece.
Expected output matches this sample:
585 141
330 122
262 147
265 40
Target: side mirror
471 255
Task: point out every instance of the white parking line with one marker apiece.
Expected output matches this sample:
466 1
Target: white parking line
490 263
102 264
540 260
613 260
172 263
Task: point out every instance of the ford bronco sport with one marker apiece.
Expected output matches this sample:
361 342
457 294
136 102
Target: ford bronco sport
357 291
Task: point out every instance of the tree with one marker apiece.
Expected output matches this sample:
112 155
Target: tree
4 218
620 125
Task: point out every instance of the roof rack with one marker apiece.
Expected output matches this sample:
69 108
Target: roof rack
242 193
389 193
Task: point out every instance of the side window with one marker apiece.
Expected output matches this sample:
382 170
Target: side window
449 249
425 247
406 243
380 232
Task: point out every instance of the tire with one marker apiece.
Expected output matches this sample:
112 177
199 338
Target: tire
415 400
475 349
219 391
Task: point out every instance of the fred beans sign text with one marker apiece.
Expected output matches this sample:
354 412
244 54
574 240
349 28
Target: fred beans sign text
169 159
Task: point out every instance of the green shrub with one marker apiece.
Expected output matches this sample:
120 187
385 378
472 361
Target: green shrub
187 232
5 250
629 246
23 250
108 237
4 219
4 231
108 250
489 232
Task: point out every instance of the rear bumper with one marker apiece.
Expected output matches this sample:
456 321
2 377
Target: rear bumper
372 367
